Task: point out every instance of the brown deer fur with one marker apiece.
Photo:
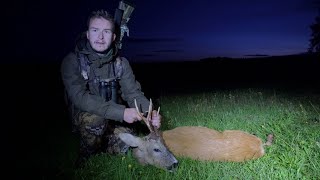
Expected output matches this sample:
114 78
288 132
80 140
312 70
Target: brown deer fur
202 143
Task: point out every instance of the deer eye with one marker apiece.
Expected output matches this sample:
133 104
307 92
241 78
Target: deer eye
156 150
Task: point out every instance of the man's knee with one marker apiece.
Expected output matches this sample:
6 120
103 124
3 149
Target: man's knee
91 128
92 124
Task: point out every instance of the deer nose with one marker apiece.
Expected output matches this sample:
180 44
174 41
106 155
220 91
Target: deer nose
173 166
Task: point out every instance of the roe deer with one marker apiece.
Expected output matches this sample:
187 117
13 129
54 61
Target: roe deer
202 143
150 149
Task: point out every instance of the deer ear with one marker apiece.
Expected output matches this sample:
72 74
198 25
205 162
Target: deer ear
130 140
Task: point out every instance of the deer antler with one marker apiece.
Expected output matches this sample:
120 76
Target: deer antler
147 119
158 111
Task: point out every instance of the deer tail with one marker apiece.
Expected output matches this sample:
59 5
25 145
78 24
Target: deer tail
269 140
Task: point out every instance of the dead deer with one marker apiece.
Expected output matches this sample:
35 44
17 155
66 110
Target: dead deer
201 143
150 149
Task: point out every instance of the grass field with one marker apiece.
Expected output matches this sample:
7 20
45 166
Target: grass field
294 119
260 97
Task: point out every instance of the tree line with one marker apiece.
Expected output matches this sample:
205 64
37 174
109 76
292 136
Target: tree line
315 35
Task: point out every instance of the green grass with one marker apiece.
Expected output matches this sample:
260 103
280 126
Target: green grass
294 119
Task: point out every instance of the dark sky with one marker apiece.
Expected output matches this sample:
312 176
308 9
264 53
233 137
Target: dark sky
169 30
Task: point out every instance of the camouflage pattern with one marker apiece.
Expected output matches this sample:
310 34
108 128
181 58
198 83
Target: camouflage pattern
91 129
99 135
115 145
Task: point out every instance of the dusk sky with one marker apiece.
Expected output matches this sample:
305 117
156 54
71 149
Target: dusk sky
173 30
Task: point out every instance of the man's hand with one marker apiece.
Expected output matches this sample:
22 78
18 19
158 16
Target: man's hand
131 115
156 119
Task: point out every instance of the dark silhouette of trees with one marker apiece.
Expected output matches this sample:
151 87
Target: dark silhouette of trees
315 35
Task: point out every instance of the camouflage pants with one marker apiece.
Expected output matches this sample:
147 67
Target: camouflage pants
98 135
91 129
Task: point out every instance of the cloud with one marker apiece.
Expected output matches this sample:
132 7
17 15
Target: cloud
152 40
168 51
145 55
256 55
155 53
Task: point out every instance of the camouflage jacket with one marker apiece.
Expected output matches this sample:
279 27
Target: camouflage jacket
84 93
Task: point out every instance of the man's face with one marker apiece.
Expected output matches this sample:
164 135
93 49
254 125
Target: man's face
100 34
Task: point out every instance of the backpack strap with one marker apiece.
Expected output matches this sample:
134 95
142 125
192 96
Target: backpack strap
84 65
118 68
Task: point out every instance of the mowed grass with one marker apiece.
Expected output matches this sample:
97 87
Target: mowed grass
294 119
